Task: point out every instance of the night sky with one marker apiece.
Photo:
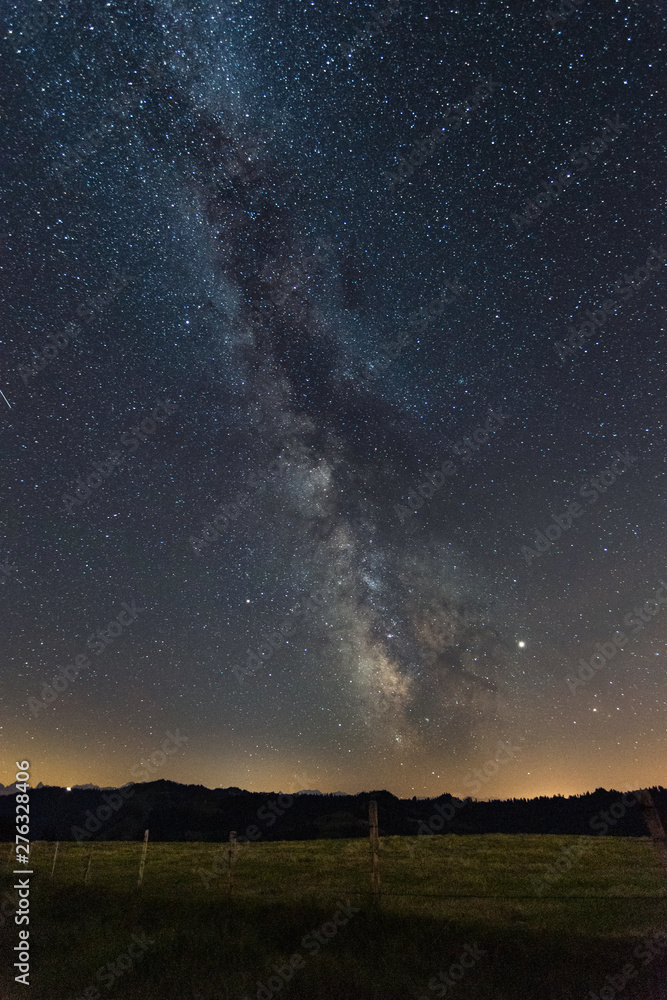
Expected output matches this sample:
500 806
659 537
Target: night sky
265 267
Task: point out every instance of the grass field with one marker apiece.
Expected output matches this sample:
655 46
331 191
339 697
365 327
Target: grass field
197 938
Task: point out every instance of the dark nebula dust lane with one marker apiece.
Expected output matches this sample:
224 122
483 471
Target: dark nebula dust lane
360 270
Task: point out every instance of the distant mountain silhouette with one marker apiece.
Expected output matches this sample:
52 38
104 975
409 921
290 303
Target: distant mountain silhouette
192 812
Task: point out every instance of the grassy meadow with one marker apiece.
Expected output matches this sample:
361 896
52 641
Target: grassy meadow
200 934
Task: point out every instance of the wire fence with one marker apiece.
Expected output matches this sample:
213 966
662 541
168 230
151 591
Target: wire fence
487 867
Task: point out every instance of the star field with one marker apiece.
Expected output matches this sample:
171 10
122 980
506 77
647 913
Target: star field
301 362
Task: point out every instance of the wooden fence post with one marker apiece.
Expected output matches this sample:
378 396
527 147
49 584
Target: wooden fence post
143 859
655 824
55 855
90 858
230 859
375 848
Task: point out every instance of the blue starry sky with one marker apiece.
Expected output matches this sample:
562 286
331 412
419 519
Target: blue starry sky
266 272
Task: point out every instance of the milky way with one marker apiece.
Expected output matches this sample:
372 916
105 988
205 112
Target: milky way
363 258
